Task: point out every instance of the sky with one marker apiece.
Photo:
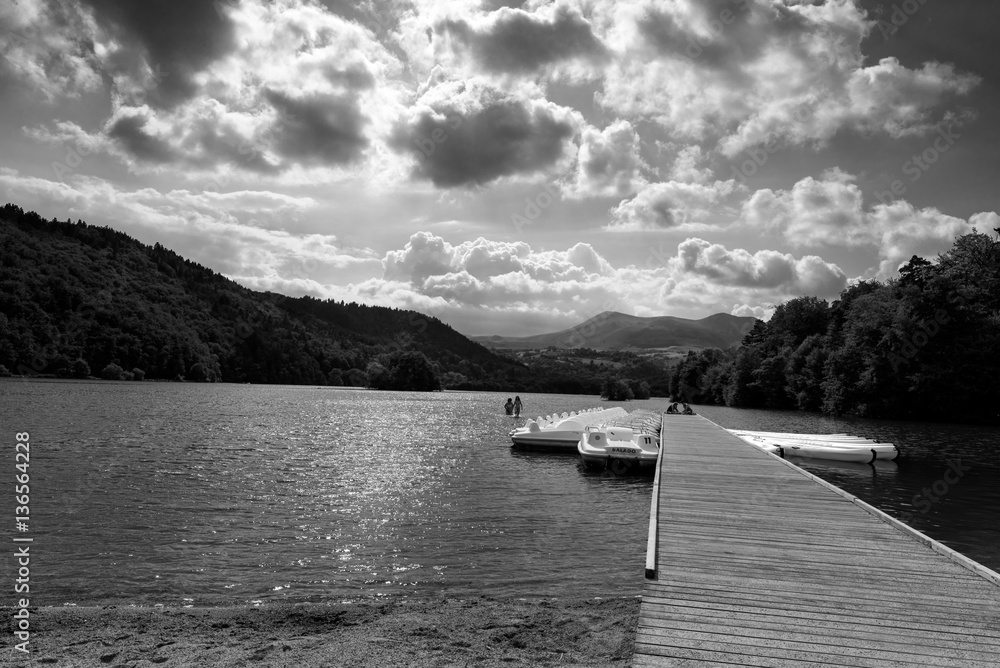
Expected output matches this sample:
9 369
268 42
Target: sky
513 168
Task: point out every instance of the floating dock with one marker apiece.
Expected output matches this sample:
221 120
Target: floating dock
754 562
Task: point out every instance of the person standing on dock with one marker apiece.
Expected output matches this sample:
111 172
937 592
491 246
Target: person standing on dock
509 406
517 406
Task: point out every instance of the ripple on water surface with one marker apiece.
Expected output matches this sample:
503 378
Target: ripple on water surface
179 494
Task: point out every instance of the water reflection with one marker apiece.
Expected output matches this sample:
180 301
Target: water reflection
159 492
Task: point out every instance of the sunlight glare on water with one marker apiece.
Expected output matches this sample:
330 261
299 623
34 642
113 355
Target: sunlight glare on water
211 494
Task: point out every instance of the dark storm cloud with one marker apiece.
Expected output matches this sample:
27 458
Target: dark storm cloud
501 139
179 37
518 41
129 132
322 129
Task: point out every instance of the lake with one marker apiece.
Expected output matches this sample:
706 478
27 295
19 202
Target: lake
190 494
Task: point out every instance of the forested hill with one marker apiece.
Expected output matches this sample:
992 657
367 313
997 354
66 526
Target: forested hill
76 298
925 346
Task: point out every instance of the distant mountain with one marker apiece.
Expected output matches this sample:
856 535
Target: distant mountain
617 331
76 298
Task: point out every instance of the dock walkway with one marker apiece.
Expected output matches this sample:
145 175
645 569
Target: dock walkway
754 562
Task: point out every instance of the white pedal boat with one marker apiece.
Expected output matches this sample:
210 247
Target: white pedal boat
561 433
618 448
864 451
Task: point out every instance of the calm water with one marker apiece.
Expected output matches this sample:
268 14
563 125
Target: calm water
214 494
211 494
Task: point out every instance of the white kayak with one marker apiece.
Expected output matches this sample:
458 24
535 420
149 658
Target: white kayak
883 450
865 452
825 438
618 448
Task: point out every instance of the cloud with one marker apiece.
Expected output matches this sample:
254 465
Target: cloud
130 132
243 234
746 310
484 286
904 231
464 134
286 85
814 212
673 205
324 129
516 41
764 269
180 37
829 212
744 73
608 162
48 47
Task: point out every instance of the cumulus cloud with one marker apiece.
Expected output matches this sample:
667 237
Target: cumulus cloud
745 73
827 211
763 269
326 129
250 86
48 47
746 310
470 133
179 37
512 40
673 205
472 283
608 162
904 231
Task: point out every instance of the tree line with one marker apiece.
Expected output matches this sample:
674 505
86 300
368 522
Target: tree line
923 346
82 301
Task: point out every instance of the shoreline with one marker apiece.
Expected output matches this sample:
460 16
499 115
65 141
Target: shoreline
417 633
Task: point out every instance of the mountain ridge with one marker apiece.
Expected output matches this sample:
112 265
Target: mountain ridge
612 330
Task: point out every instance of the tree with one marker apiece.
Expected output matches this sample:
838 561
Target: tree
378 376
112 372
640 389
616 389
197 373
411 370
138 374
80 369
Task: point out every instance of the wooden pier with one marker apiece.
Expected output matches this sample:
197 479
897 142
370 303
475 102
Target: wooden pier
755 562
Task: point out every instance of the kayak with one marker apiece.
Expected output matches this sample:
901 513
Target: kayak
864 451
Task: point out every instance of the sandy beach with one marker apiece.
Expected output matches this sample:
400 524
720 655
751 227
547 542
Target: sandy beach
403 632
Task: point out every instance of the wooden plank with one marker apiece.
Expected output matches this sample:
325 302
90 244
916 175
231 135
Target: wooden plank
759 563
654 514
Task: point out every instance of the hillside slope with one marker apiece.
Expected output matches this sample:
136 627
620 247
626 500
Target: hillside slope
617 331
71 291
